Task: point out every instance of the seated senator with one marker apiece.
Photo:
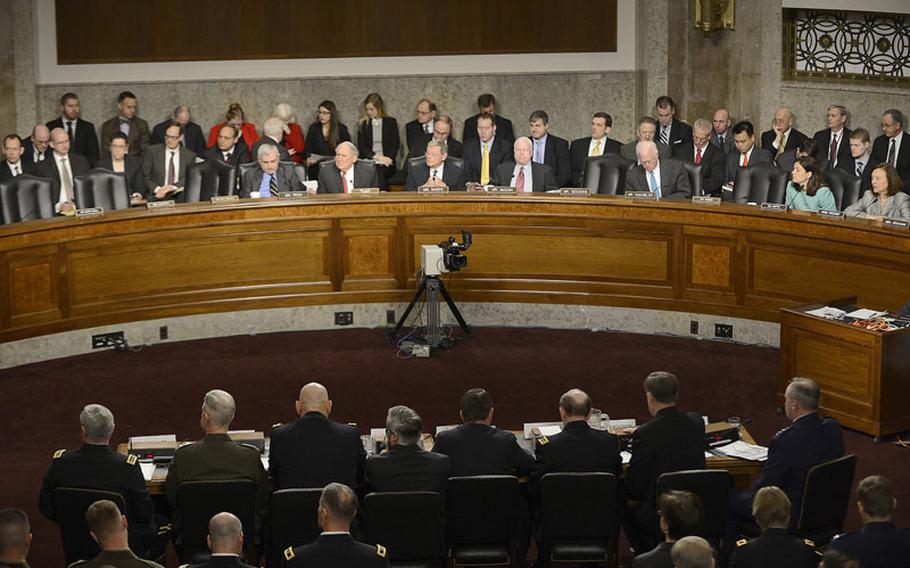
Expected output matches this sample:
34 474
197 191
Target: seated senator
435 171
806 190
271 177
885 199
346 173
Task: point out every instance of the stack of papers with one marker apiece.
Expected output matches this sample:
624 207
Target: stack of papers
864 314
744 450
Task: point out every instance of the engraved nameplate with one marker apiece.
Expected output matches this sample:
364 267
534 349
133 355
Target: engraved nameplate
225 198
365 191
89 212
499 189
838 215
645 195
432 189
891 223
773 207
293 195
575 191
166 204
705 200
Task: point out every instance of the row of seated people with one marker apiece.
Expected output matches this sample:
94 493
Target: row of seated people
314 451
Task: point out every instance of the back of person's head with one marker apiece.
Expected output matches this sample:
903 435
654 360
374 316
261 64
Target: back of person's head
105 521
771 508
692 552
682 512
273 127
98 423
339 503
15 534
225 534
805 392
875 495
219 407
314 398
809 147
405 424
575 403
663 387
832 558
476 405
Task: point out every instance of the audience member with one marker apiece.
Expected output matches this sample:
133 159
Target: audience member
127 122
860 151
13 165
680 514
442 132
236 118
782 136
597 144
647 128
670 130
225 540
435 171
35 146
485 151
879 544
486 103
377 138
271 178
746 153
323 137
549 150
420 130
806 190
834 141
109 529
83 138
228 149
771 509
119 160
893 146
667 179
193 139
702 153
523 174
346 172
293 133
806 148
836 559
721 135
273 134
692 552
885 199
15 538
62 168
165 166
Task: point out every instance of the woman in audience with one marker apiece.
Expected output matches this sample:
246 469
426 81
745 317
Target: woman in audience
681 515
120 161
377 138
885 199
236 117
322 137
293 134
775 547
806 190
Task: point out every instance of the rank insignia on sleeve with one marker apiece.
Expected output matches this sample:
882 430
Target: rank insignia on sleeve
380 551
289 553
741 542
543 440
59 453
131 459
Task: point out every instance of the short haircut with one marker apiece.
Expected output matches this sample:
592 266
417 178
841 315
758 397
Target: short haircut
486 100
9 137
833 558
103 518
896 116
692 552
744 126
682 511
174 123
894 180
575 402
339 501
97 421
860 134
14 530
876 495
702 124
273 127
647 120
646 146
476 404
404 423
120 136
445 118
487 116
809 146
664 101
805 392
224 528
771 508
431 104
349 145
125 95
540 115
267 149
66 97
842 109
218 404
441 144
231 126
607 118
663 386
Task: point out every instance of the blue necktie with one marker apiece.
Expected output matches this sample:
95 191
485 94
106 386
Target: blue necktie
653 182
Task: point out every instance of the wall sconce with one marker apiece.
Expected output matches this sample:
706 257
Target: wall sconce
713 15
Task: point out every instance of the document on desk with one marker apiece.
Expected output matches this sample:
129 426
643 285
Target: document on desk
744 450
148 469
863 314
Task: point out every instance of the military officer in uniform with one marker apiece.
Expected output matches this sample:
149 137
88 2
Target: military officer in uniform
771 509
15 538
879 543
217 457
109 529
97 466
335 547
314 450
225 542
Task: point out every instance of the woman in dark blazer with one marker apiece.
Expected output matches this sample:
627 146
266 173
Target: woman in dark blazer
323 135
383 149
119 161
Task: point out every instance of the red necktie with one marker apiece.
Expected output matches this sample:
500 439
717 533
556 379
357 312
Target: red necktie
745 160
344 182
520 180
697 155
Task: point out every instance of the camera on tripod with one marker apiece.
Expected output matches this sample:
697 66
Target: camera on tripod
446 256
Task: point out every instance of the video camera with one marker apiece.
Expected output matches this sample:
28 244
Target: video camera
446 256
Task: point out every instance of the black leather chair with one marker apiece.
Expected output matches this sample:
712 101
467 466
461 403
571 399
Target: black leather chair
481 513
292 521
70 504
243 168
760 183
26 198
199 501
694 173
208 179
845 187
579 530
408 524
713 489
102 188
606 174
416 161
826 498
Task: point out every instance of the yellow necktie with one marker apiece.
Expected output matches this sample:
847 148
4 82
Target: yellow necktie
783 144
485 166
596 150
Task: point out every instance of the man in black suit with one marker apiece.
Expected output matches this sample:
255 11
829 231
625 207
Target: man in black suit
227 150
420 130
13 165
62 167
165 166
273 133
670 130
346 172
487 105
550 150
709 156
84 139
405 466
36 145
193 139
485 151
893 146
523 174
746 152
672 441
721 135
435 171
646 132
667 179
834 141
442 131
861 153
270 178
597 144
314 450
225 540
782 136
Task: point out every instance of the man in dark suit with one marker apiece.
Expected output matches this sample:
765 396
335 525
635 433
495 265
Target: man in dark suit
227 150
225 541
420 130
442 131
270 178
435 171
709 156
62 167
486 103
879 542
549 150
861 153
523 174
314 450
84 139
646 132
672 441
193 139
721 135
36 145
13 165
273 133
597 144
165 166
405 466
346 172
834 141
782 136
126 121
667 179
746 152
893 146
670 130
485 151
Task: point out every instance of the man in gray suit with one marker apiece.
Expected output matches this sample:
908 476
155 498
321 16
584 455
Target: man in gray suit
347 172
270 178
666 178
646 131
721 136
523 174
165 165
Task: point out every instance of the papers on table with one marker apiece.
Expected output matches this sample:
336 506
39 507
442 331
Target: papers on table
864 313
541 425
159 439
828 312
744 450
622 423
378 434
550 430
444 427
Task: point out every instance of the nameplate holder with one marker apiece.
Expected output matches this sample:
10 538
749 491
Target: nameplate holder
365 191
705 200
217 199
293 195
773 207
500 189
641 195
833 215
890 223
166 204
87 212
575 191
432 189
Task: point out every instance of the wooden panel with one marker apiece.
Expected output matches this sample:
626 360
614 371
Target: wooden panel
841 367
710 266
32 284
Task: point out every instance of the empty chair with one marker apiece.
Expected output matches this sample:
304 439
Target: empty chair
760 183
713 489
26 198
244 168
408 524
199 501
606 174
70 504
102 188
208 179
292 520
694 173
481 512
845 187
826 498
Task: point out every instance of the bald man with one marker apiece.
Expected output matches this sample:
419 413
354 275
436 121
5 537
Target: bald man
225 541
35 146
782 136
315 450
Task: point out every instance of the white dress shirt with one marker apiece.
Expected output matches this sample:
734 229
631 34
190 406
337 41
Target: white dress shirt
167 161
15 169
656 179
75 122
897 146
785 139
749 154
539 149
838 137
529 177
603 142
60 166
437 171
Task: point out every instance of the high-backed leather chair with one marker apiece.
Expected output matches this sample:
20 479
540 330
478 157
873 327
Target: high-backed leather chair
845 187
606 174
481 513
208 179
713 489
26 198
199 501
760 183
292 521
102 188
408 524
70 504
826 498
694 173
417 160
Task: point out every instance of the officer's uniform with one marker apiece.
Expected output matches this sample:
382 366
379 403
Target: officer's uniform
220 561
478 449
314 451
13 564
777 549
876 545
339 550
118 558
408 468
577 448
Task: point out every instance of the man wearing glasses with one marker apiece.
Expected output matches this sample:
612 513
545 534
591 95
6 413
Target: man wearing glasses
420 130
165 165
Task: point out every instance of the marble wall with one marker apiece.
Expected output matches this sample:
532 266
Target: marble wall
7 70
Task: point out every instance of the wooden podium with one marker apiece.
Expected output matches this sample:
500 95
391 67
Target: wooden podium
864 375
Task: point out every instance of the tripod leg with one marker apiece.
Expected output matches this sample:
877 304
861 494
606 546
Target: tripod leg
420 289
455 312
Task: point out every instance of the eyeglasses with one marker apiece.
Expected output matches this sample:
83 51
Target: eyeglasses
324 112
118 146
424 111
169 137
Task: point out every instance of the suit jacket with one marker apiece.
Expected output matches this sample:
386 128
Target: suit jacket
155 171
503 129
452 176
252 179
758 156
314 451
868 166
337 551
24 168
727 146
416 138
478 449
86 142
456 149
556 157
844 157
713 165
628 151
391 142
237 156
794 139
500 151
138 138
578 448
193 138
135 178
330 177
48 169
317 144
905 310
880 154
282 151
408 468
657 557
898 206
674 181
578 156
680 133
28 156
541 177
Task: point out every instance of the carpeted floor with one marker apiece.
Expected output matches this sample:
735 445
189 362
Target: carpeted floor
159 390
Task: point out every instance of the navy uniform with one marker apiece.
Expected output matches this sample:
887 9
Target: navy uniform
578 448
116 558
98 466
339 550
407 468
479 449
220 561
314 451
876 545
775 548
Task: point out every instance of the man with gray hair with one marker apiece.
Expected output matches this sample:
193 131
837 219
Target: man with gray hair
893 146
96 465
834 141
271 177
666 179
523 174
404 465
346 172
225 540
435 171
782 136
15 538
710 157
273 134
692 552
217 457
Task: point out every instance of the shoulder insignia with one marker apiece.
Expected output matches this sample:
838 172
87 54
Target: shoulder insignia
543 440
183 566
289 553
380 551
59 454
131 459
809 542
742 542
277 424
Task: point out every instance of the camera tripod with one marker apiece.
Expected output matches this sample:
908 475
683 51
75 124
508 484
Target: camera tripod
433 287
